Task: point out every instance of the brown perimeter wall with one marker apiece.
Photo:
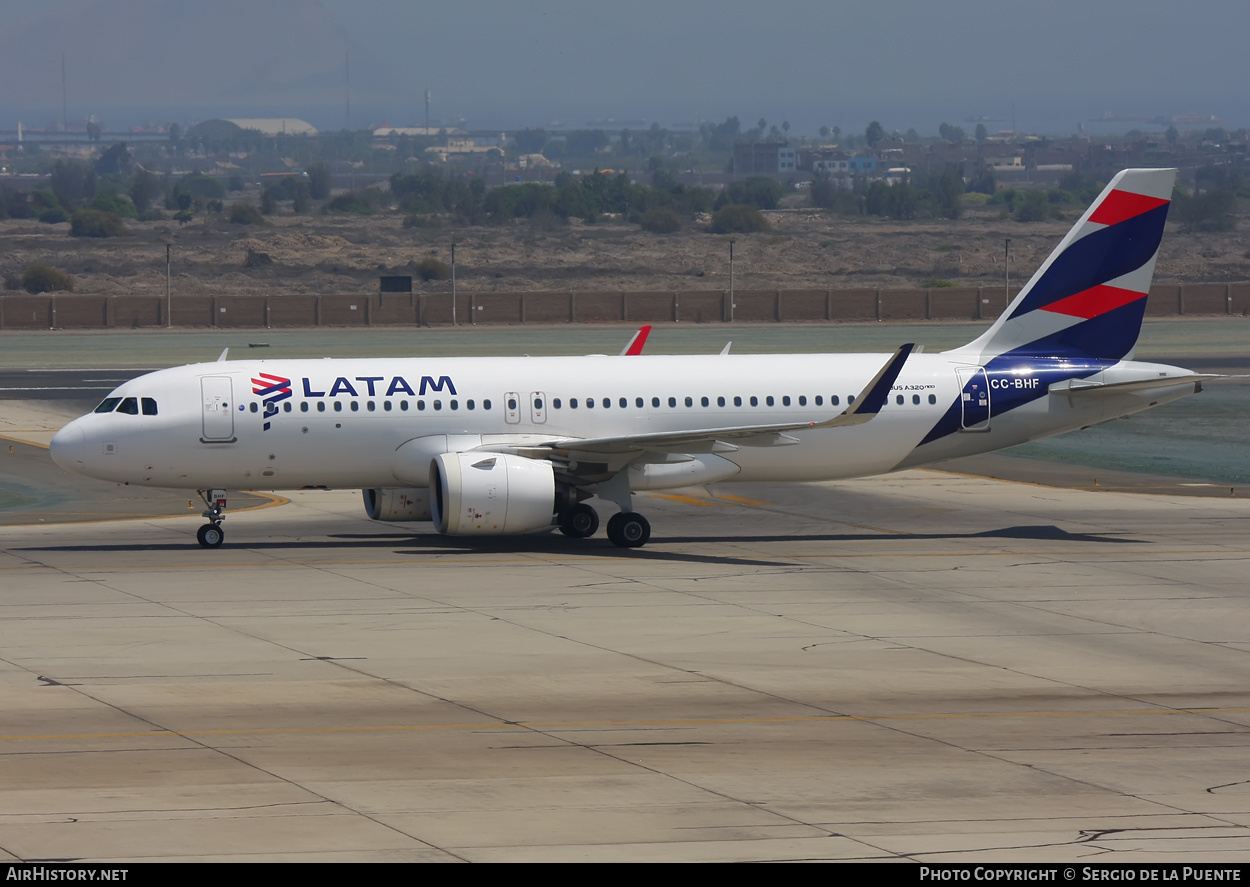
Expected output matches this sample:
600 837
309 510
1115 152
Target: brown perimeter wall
85 311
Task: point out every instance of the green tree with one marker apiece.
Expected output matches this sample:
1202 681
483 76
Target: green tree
300 202
983 182
432 268
758 191
203 186
739 219
14 205
898 201
115 204
981 133
319 181
1034 207
363 203
826 194
660 220
46 208
1208 211
246 213
40 278
73 183
143 189
946 192
114 160
96 223
874 134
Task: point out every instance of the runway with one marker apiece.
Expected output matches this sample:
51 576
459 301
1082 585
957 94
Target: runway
926 666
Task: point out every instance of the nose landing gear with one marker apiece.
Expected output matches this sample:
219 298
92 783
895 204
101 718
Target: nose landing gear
211 534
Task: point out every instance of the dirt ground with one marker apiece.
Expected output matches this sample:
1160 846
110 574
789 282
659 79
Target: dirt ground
323 254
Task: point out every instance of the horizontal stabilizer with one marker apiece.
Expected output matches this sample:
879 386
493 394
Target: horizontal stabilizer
1085 388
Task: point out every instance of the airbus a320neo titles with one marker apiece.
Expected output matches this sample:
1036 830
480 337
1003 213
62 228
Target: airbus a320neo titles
511 445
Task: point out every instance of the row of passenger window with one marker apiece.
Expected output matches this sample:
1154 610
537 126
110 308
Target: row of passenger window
673 402
769 400
370 406
557 403
131 406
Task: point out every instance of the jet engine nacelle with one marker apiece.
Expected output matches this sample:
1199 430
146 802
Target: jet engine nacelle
487 494
397 505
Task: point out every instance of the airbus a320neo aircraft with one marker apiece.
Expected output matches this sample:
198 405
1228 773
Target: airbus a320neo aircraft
508 445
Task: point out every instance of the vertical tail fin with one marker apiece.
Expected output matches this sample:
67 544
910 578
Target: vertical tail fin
1089 297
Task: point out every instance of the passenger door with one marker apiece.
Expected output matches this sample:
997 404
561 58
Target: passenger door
218 409
975 397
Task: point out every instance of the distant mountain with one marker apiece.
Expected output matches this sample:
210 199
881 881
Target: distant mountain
247 58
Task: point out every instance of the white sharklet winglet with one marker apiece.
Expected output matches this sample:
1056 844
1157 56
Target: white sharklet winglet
221 358
866 406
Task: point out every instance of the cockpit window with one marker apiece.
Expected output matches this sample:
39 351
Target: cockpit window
108 404
129 406
149 406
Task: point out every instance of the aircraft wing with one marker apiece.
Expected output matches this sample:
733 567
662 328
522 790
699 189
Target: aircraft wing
728 439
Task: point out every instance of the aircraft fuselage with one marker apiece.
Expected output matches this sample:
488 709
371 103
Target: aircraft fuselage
289 424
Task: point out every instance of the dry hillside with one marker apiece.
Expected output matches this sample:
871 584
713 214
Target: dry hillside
345 254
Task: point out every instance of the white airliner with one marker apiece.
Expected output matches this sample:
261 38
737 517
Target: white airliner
509 445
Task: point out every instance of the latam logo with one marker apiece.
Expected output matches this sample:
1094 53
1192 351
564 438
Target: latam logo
268 385
396 385
272 390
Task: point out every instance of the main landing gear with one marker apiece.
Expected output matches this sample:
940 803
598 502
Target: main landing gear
579 522
211 534
627 529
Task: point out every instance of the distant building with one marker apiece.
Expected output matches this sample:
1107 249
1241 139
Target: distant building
1007 163
832 167
764 158
862 165
385 132
236 126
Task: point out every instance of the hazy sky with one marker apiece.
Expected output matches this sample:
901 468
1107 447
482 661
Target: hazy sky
508 64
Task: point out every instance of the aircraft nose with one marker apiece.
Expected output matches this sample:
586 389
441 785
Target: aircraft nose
69 447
